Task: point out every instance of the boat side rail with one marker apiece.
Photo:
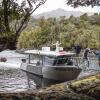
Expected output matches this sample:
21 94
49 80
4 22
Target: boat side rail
81 62
31 61
91 58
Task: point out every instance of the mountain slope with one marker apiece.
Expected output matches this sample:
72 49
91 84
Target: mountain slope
60 12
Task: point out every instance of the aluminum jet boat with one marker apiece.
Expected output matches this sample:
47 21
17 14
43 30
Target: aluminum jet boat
51 64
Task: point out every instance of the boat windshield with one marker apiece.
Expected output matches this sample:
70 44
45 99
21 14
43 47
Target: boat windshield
60 60
63 60
49 60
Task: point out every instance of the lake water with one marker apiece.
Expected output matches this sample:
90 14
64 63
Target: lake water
12 79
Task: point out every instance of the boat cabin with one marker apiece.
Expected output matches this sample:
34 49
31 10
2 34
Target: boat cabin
49 58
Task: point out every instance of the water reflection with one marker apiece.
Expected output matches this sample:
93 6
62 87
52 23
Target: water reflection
14 80
40 81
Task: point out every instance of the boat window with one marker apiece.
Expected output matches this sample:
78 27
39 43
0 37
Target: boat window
35 59
63 60
49 60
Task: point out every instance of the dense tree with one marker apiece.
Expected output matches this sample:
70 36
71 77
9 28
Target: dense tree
93 20
84 17
15 15
70 32
32 39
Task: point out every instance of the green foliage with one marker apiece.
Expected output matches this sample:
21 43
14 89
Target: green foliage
31 39
83 31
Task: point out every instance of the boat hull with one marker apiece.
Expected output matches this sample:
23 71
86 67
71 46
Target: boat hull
31 68
61 73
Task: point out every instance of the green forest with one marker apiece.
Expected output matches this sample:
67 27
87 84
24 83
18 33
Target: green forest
83 31
18 29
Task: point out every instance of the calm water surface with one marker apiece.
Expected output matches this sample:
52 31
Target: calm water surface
12 79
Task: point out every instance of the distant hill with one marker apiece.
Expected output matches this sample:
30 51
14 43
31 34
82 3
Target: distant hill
60 12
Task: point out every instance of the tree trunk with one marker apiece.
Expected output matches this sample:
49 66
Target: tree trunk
21 28
6 15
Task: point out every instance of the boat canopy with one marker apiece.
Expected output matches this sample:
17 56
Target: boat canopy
49 53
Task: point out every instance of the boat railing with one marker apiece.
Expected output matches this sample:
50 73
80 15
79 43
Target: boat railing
91 63
76 61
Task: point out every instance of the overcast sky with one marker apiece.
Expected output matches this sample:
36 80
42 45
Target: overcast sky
55 4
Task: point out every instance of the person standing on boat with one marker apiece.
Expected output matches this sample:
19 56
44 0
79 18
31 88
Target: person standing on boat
57 44
77 50
85 56
98 56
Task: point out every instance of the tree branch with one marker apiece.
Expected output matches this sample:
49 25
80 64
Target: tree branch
25 20
76 3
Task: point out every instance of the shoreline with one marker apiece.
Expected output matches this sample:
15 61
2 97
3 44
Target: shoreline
85 88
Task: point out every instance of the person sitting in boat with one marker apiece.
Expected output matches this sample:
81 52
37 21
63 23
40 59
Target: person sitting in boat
62 61
38 63
69 62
